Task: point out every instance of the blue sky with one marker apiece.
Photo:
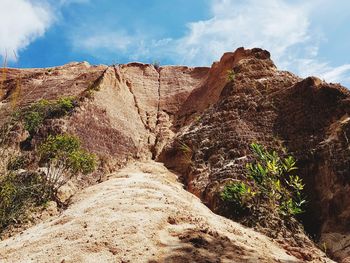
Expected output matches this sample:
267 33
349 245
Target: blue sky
306 37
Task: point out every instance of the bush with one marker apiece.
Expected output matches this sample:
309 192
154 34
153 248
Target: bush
239 194
62 107
270 183
32 121
65 158
34 116
18 192
230 75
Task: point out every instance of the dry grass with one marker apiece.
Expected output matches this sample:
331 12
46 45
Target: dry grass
3 77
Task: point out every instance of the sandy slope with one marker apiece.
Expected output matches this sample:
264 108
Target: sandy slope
141 214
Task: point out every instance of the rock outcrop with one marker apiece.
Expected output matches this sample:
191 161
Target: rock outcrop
131 112
200 124
274 108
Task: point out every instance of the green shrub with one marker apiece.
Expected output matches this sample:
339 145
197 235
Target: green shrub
238 192
64 158
230 75
62 107
58 146
239 195
32 121
270 183
18 192
34 116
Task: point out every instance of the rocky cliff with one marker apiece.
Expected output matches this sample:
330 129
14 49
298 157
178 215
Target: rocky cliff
140 112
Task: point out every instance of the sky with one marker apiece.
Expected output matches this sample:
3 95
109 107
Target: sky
306 37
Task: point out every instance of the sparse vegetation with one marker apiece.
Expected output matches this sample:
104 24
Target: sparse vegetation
239 194
187 152
34 116
89 92
16 163
3 76
230 75
18 192
22 190
64 158
15 92
270 184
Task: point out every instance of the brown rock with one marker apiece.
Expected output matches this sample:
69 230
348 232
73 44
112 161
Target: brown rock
273 108
66 191
201 124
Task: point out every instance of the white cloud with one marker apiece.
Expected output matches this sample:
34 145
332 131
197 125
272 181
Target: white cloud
308 67
270 24
285 28
110 44
22 22
338 74
111 41
68 2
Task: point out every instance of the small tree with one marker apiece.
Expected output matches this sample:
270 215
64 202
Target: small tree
64 158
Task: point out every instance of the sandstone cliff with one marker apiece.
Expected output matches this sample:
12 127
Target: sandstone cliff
138 112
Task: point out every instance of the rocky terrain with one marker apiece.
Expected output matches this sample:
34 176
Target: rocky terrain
135 114
140 214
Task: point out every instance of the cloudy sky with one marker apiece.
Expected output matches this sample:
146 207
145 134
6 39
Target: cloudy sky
307 37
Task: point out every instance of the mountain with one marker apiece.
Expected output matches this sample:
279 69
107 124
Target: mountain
152 127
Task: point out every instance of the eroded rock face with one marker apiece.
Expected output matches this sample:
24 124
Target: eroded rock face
129 110
201 124
29 85
273 108
131 114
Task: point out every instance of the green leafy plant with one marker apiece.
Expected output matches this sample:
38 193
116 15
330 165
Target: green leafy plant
34 116
64 158
62 107
230 75
239 194
32 121
270 182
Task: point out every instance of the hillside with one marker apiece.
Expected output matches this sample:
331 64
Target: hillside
140 214
199 122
